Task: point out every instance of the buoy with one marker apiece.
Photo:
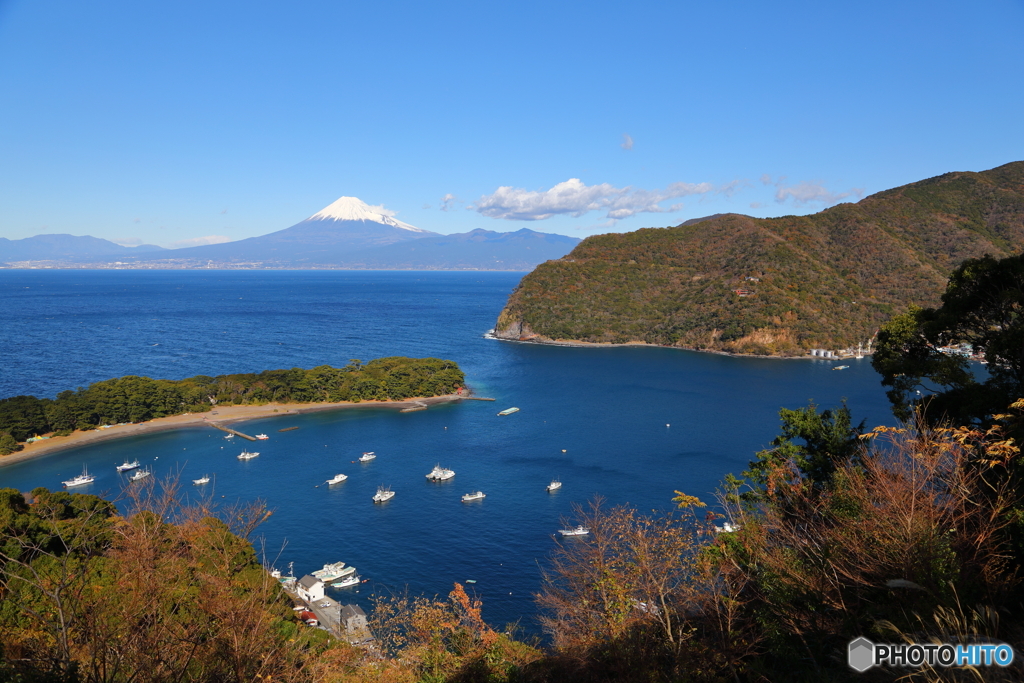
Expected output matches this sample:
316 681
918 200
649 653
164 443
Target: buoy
667 424
563 450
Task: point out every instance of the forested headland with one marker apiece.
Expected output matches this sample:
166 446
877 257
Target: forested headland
138 399
774 286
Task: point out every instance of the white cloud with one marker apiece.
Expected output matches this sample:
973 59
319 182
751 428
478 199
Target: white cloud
575 198
200 241
448 202
732 187
627 141
379 209
805 192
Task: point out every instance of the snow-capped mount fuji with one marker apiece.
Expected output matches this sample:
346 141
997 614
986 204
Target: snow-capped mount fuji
354 209
327 237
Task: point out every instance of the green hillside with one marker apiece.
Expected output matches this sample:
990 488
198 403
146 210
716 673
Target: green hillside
828 280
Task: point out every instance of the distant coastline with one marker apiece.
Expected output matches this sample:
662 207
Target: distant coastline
221 415
591 345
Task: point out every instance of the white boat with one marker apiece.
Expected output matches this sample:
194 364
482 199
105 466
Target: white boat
440 473
81 480
841 367
246 455
141 474
476 495
345 583
230 436
509 411
337 479
128 466
333 572
554 485
367 457
580 530
384 493
205 479
262 437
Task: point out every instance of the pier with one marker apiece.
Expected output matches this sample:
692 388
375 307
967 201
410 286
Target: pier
230 431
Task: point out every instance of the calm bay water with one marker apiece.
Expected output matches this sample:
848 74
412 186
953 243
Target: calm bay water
628 424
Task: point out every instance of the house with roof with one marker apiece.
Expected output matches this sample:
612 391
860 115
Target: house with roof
310 588
353 618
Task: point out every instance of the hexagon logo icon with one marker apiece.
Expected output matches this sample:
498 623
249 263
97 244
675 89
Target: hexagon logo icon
861 655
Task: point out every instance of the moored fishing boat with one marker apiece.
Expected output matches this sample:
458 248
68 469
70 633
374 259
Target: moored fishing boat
476 495
554 485
246 455
509 411
384 493
262 437
337 479
205 479
333 572
127 466
367 457
440 473
579 530
81 480
141 474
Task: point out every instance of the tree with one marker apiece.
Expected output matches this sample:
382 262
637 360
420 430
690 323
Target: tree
829 439
983 307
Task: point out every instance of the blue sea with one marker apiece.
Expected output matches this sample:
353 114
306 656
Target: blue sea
628 424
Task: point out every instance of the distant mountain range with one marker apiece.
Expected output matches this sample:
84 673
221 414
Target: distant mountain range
775 286
346 234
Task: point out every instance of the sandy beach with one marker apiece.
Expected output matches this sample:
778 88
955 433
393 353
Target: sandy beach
218 416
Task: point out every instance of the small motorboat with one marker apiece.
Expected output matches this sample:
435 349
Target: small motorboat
345 583
841 367
384 493
580 530
230 436
262 437
246 455
554 485
508 411
476 495
367 457
128 466
205 479
337 479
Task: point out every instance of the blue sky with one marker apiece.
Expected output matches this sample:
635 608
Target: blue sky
185 122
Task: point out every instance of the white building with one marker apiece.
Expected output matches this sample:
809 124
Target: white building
310 588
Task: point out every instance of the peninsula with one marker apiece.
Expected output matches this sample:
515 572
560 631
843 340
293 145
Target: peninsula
772 286
133 405
221 416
